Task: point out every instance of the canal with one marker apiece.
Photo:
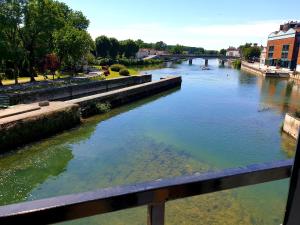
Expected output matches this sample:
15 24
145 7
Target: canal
220 118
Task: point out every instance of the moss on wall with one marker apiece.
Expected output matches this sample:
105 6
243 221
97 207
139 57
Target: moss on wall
32 129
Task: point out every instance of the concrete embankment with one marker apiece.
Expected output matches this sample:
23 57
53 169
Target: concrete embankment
23 127
26 123
252 70
75 90
291 125
118 97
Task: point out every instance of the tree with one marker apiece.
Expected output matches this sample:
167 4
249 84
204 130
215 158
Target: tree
223 52
114 48
177 49
27 29
103 46
41 19
51 63
72 45
129 47
160 46
11 20
251 53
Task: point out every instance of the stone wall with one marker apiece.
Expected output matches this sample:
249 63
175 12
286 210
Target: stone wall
33 126
125 95
76 90
252 70
291 125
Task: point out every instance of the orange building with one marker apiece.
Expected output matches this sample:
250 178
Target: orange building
283 46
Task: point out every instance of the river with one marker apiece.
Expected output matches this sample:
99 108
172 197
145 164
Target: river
220 118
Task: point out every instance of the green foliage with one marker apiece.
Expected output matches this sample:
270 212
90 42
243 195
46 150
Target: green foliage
178 49
161 46
223 52
27 30
129 48
250 52
90 58
103 107
114 48
71 45
103 46
117 67
237 64
124 72
106 62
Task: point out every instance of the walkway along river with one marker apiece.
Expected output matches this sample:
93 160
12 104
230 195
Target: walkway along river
218 119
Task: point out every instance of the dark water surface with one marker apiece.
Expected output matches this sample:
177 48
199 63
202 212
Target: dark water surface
218 119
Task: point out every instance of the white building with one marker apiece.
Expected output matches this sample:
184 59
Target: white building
263 57
146 52
143 53
233 52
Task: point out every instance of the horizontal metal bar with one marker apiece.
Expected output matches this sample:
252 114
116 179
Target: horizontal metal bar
59 209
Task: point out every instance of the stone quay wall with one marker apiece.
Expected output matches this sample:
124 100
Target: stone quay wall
76 90
122 96
291 125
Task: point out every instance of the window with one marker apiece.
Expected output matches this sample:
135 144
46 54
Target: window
270 55
271 49
284 55
285 52
285 48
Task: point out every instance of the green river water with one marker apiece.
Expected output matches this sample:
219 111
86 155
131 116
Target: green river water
221 118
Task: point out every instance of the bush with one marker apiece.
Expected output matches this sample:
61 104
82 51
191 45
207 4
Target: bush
237 64
103 107
105 62
117 67
124 72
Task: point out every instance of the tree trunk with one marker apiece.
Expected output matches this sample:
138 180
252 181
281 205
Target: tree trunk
16 73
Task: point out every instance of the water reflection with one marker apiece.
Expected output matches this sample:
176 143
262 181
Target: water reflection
280 94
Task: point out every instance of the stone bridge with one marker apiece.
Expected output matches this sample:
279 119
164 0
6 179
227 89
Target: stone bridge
190 57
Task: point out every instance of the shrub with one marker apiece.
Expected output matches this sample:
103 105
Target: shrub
105 61
124 72
117 67
103 107
237 64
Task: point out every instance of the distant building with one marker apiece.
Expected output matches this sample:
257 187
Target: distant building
143 53
263 56
283 46
146 52
233 52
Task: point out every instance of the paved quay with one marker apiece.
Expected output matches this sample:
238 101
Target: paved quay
22 112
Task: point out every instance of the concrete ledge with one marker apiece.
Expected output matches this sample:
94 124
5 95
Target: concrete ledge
31 126
291 125
18 110
252 70
125 95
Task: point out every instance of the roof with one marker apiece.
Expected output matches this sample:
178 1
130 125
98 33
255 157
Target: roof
283 34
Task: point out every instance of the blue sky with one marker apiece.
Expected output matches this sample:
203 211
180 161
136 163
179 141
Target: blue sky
210 24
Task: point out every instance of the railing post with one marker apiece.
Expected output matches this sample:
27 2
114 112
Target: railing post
156 214
292 215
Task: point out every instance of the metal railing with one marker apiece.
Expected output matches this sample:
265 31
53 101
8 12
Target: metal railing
153 194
